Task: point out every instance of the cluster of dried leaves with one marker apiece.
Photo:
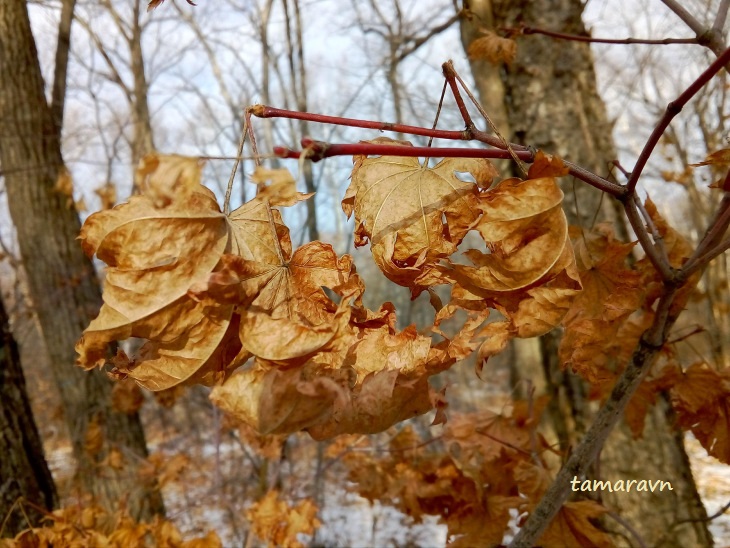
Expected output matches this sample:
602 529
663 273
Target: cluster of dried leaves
225 300
279 523
484 469
209 291
92 527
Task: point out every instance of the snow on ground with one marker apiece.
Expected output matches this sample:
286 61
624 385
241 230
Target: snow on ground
713 483
216 485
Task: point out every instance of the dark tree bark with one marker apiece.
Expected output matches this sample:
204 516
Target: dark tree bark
549 100
23 469
62 281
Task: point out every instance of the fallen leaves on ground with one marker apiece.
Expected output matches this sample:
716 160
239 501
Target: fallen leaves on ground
92 526
279 523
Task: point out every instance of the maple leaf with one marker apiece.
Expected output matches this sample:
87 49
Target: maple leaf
279 523
325 402
678 250
411 213
257 232
718 158
529 274
493 48
380 350
611 293
547 165
701 399
285 314
573 527
162 244
526 232
154 252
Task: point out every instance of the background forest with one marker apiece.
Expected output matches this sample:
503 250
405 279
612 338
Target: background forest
95 94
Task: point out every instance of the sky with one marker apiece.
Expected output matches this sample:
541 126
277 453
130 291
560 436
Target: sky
345 76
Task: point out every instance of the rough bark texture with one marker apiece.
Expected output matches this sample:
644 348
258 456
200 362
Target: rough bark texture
550 101
61 279
23 469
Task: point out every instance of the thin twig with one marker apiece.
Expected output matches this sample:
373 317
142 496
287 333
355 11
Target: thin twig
470 134
438 111
721 16
716 515
450 73
684 15
626 525
709 255
264 111
657 260
715 231
674 108
658 239
252 136
590 39
621 168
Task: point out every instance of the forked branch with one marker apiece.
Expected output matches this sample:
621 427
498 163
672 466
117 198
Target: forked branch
673 277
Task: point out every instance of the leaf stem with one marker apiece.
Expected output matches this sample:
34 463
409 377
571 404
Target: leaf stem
450 73
229 188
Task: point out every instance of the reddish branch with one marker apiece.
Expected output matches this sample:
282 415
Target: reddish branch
318 150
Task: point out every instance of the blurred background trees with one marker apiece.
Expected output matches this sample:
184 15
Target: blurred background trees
177 79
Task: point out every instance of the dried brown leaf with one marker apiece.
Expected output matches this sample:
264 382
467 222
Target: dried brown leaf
412 214
493 48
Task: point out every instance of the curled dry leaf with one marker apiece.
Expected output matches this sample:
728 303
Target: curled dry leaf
720 158
281 188
701 399
611 293
547 165
285 314
157 246
329 397
412 214
529 274
493 48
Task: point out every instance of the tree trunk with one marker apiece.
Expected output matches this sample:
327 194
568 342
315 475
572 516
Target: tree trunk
62 280
550 101
23 469
142 140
